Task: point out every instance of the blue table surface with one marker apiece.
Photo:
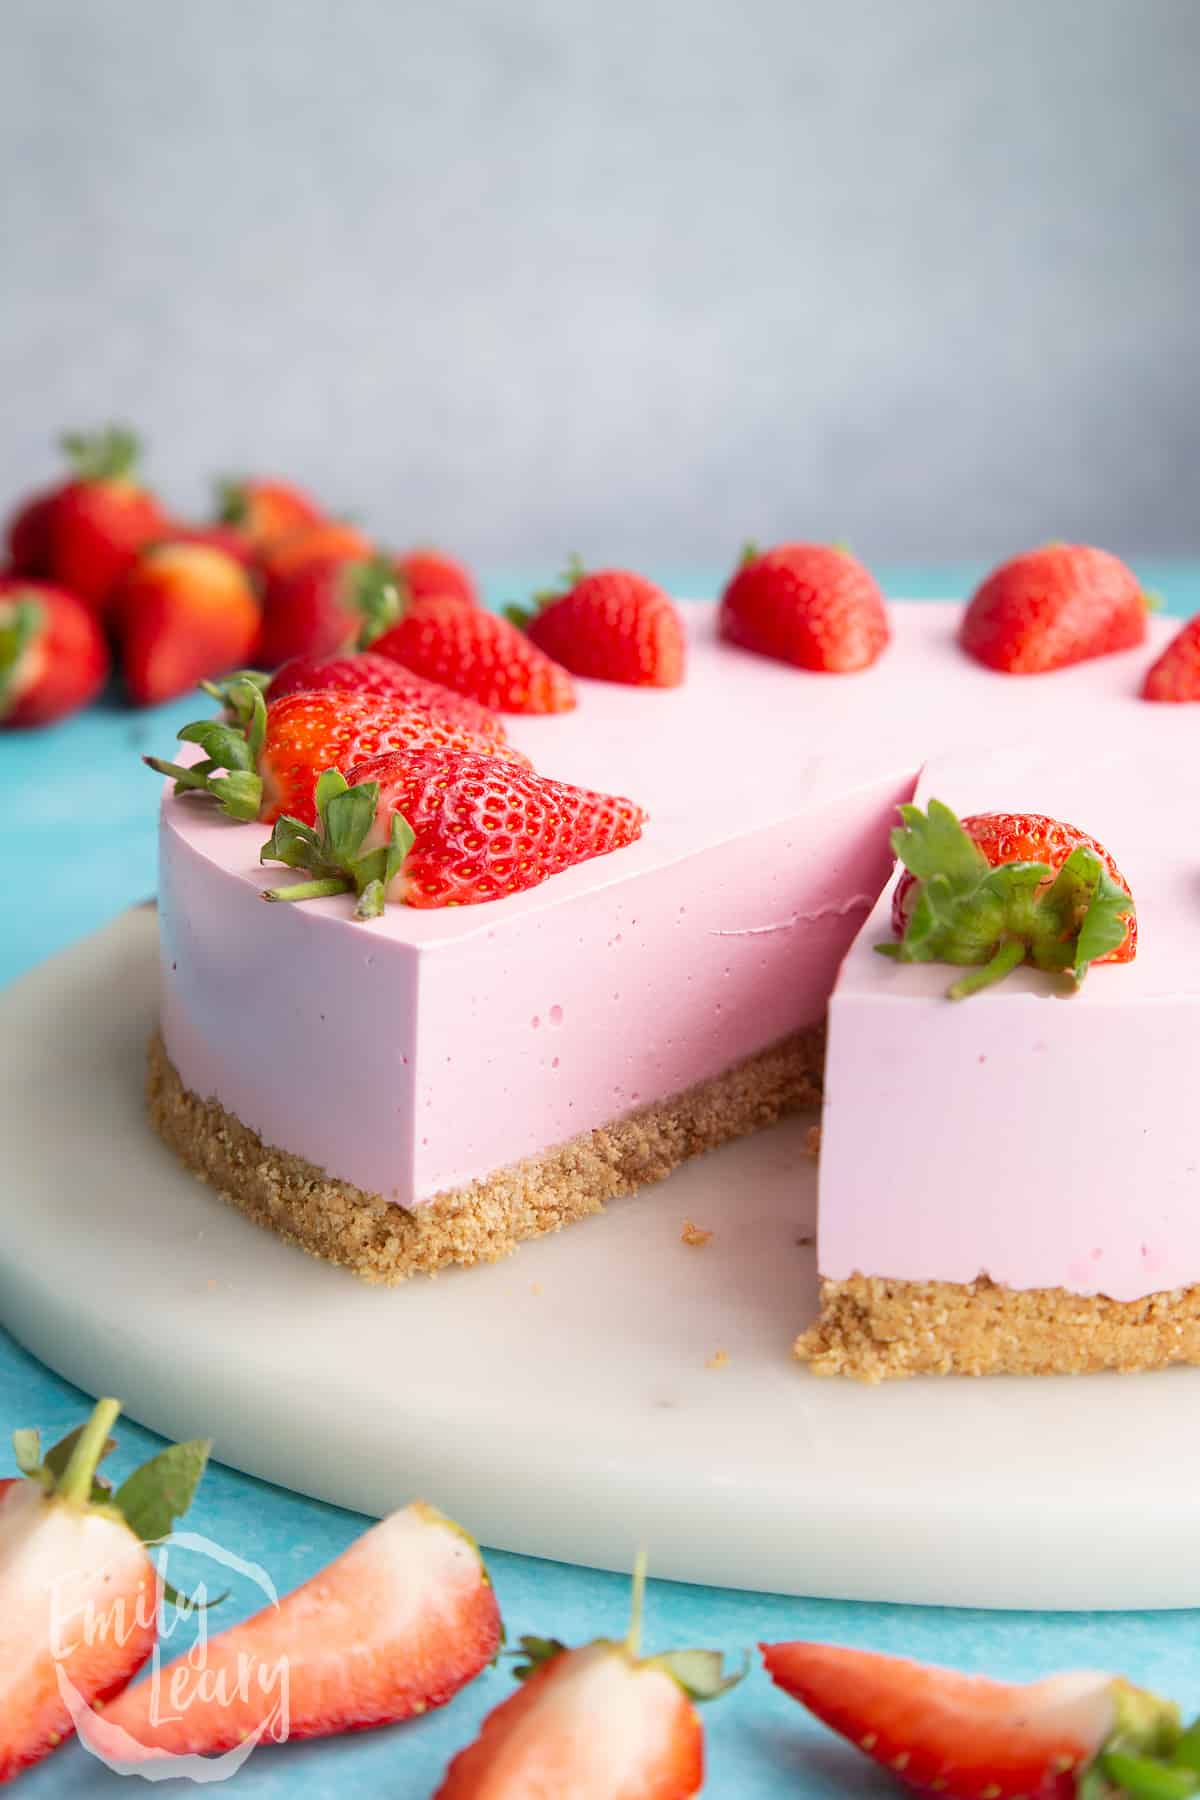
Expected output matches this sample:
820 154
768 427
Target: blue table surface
77 825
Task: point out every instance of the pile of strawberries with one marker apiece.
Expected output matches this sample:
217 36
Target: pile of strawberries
406 1617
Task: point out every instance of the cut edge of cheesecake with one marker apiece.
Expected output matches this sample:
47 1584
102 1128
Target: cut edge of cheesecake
384 1243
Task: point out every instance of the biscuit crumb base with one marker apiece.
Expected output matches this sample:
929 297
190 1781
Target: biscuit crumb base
382 1242
875 1330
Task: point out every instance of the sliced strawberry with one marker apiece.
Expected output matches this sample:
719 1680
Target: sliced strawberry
395 1626
969 1738
263 510
1176 674
813 605
610 625
477 654
425 572
999 889
272 755
366 673
101 519
183 612
444 830
598 1723
53 655
327 607
78 1593
1062 604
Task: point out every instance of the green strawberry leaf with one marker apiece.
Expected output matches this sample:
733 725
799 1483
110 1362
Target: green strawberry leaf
109 455
333 852
375 593
533 1653
700 1673
22 623
347 818
27 1449
1105 924
934 843
1145 1778
330 783
161 1491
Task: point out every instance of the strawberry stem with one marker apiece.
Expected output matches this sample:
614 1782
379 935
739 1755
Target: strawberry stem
1010 953
637 1607
310 890
80 1472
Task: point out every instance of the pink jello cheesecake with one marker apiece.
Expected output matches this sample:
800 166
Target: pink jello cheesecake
430 1087
1027 1195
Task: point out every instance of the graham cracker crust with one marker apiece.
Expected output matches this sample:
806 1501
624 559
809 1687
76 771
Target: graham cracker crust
876 1330
382 1242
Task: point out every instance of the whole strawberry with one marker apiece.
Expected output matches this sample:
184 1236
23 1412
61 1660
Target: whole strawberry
326 607
610 625
477 654
78 1592
102 518
444 830
999 889
969 1738
28 534
217 537
383 679
813 605
265 762
1062 604
328 540
184 611
424 572
1176 675
53 654
263 510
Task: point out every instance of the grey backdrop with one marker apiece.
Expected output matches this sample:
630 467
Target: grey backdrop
641 278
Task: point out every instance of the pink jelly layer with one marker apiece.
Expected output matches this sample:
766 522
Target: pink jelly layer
1042 1137
416 1053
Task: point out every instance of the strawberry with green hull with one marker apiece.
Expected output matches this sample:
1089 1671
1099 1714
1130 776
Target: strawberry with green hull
1085 1734
53 655
1175 677
397 1625
609 625
78 1592
601 1722
477 654
422 573
328 607
379 676
1000 889
100 520
262 510
812 605
265 760
184 611
1052 607
444 830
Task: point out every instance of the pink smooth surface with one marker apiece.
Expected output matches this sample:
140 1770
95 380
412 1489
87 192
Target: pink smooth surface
423 1050
1044 1137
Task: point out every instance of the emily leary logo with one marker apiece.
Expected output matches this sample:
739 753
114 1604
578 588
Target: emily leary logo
257 1688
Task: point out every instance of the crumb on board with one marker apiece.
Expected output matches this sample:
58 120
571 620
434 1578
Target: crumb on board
695 1235
806 1240
535 1287
812 1140
717 1360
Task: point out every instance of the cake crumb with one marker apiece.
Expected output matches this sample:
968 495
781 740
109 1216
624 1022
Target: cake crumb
535 1287
812 1140
717 1360
695 1235
806 1241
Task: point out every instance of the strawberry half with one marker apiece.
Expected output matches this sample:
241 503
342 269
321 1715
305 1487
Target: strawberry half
379 676
610 625
425 572
999 889
478 654
601 1722
968 1738
102 518
1176 674
265 761
263 510
1062 604
184 611
444 830
813 605
78 1593
326 607
395 1626
53 656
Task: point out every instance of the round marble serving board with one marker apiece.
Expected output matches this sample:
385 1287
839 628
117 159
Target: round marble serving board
608 1387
